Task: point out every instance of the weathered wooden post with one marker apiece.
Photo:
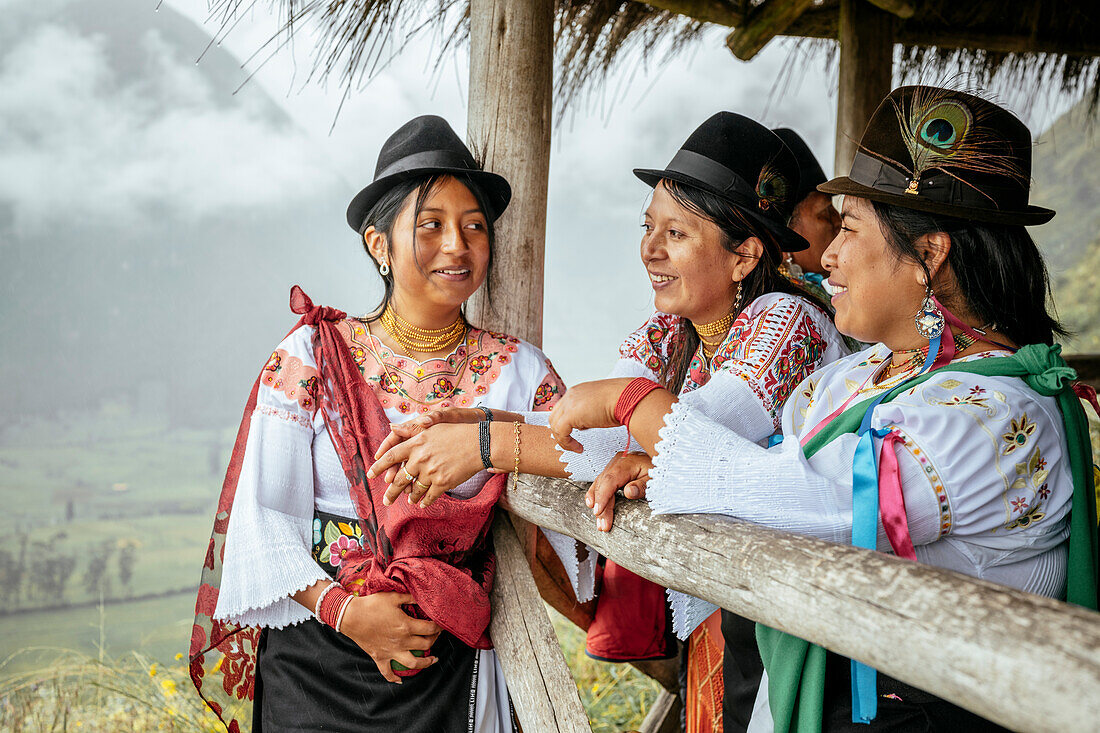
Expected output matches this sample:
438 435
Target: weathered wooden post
511 88
866 36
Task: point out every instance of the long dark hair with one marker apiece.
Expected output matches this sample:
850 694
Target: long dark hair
385 211
735 228
1000 274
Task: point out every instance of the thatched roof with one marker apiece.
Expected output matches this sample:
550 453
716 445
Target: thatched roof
1027 42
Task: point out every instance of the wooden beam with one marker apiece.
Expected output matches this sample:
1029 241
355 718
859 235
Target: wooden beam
663 715
823 23
901 8
720 12
763 24
935 629
542 689
511 78
866 63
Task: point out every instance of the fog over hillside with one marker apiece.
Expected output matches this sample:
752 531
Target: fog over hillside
152 221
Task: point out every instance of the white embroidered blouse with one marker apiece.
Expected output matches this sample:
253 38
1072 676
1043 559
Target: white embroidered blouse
291 467
775 342
986 489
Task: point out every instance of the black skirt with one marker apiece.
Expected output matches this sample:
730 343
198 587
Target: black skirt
311 678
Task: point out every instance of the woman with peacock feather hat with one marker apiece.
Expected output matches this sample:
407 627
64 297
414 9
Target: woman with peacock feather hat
956 440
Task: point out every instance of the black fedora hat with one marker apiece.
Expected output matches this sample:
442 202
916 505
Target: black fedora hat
810 174
423 146
945 152
746 164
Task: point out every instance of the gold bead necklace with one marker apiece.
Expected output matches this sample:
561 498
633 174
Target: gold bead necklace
426 341
713 334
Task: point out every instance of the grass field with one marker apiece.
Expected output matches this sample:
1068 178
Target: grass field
140 488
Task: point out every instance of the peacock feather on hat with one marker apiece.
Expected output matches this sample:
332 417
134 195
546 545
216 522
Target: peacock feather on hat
941 131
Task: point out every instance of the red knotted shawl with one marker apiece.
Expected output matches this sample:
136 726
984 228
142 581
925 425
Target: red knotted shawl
440 555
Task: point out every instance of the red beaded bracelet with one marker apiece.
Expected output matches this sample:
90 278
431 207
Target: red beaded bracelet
634 393
332 606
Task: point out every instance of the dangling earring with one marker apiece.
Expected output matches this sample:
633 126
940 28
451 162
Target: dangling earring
384 269
929 319
737 300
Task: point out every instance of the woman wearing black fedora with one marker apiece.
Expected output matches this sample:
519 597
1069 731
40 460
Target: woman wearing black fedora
329 608
956 440
731 336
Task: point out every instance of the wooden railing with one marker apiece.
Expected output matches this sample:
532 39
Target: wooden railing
1024 661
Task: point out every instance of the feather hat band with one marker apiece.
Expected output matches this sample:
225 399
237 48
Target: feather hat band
945 152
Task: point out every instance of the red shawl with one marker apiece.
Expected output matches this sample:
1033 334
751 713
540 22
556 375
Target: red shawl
440 555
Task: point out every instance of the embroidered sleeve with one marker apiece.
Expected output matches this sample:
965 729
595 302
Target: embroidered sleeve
269 537
289 381
650 344
549 391
773 348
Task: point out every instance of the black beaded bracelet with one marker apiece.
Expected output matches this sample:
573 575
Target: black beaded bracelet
483 443
487 411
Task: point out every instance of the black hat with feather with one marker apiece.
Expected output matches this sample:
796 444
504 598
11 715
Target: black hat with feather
743 162
945 152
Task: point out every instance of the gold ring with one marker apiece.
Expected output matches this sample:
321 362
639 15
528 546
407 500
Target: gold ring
421 484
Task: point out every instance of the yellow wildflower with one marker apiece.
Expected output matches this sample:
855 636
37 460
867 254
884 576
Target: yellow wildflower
179 656
153 670
169 687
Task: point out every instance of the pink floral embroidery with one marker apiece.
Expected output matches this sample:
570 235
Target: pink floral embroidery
1019 504
549 391
408 385
341 547
289 375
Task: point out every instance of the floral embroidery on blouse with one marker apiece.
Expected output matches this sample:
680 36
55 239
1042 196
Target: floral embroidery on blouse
459 379
1018 433
772 350
1024 508
649 345
549 390
289 375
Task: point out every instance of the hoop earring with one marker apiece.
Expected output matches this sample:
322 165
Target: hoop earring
929 319
384 269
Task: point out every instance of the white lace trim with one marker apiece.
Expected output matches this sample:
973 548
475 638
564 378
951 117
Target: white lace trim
688 612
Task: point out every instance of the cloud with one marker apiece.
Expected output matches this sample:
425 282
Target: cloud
80 138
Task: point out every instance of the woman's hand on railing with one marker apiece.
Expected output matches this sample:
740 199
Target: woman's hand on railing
429 463
583 406
383 630
626 471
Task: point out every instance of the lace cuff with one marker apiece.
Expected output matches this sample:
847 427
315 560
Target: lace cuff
703 468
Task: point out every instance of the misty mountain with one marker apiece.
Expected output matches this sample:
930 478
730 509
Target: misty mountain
151 221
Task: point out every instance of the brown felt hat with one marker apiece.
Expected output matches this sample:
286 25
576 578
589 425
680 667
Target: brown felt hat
945 152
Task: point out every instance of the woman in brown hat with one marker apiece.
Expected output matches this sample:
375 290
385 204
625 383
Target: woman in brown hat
956 440
331 610
731 336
